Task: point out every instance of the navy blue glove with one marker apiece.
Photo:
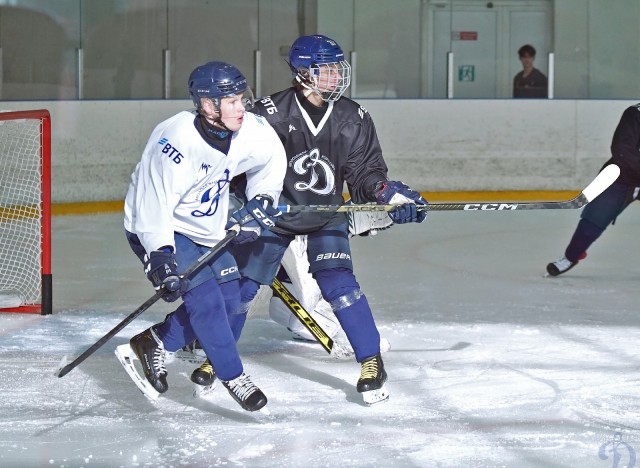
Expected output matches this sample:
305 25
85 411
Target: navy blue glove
162 270
256 215
396 193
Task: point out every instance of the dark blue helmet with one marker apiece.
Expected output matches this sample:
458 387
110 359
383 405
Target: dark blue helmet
215 80
309 55
307 51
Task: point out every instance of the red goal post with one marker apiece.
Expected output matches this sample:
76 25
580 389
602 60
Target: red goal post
25 212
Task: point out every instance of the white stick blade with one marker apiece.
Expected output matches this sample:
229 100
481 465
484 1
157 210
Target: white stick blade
602 181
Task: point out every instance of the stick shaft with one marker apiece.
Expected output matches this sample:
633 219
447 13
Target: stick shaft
152 300
600 183
577 202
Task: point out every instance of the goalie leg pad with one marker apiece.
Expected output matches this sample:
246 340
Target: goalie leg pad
127 357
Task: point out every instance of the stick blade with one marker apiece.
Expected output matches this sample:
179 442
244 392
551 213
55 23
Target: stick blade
602 181
60 371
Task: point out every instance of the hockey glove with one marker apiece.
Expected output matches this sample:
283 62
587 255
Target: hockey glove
393 192
162 270
258 214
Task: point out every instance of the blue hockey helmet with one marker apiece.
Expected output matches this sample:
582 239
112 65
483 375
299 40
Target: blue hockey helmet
215 80
309 54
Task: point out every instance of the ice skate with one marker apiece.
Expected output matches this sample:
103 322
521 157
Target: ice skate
204 378
245 392
371 381
147 348
563 265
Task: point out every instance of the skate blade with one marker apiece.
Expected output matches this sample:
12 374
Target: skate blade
202 391
373 397
126 356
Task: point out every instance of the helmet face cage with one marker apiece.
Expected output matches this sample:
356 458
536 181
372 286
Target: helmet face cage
329 80
318 64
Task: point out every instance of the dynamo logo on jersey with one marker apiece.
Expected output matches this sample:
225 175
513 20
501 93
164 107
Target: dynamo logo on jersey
172 153
210 197
319 171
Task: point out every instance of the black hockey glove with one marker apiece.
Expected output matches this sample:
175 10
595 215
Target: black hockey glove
393 192
162 270
256 215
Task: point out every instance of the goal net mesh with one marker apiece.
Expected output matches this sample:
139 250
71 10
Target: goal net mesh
20 212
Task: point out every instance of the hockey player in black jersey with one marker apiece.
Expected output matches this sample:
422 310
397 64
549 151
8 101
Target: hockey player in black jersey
330 140
597 215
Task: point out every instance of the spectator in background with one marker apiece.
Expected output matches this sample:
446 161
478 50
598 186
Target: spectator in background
530 82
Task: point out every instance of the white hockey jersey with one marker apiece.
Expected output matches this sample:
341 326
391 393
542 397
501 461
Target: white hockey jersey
181 183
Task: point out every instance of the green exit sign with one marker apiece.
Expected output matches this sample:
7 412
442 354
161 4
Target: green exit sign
466 73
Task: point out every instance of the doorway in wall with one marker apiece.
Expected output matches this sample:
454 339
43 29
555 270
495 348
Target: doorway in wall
484 38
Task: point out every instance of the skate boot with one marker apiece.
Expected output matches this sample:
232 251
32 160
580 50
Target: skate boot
371 381
244 391
563 265
205 379
150 350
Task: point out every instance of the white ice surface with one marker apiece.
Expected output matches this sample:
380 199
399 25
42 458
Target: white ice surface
491 365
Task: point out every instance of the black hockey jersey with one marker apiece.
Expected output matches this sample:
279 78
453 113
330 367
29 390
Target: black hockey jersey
342 149
625 146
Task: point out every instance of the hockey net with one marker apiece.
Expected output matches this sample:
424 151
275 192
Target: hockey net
25 212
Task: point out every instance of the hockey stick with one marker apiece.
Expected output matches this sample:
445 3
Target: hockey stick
307 320
603 180
152 300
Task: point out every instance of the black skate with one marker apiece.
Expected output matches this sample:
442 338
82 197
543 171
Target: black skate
371 381
563 265
244 391
205 379
149 350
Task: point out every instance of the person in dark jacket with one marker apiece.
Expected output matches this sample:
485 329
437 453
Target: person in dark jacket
597 215
530 82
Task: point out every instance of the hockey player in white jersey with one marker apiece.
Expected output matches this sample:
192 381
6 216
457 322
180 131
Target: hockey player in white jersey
330 141
176 210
